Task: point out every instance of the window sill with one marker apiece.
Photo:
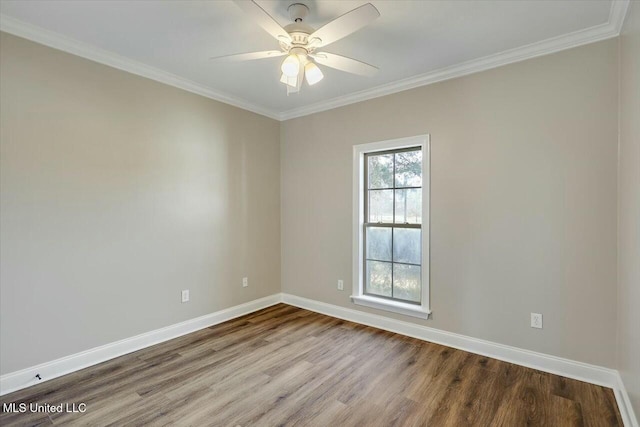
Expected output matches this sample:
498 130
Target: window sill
393 306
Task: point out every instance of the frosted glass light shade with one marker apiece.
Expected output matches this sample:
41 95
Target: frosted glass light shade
312 73
291 66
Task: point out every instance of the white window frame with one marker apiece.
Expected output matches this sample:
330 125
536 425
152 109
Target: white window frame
358 297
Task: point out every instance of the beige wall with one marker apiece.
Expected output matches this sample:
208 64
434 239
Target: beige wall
629 208
523 200
117 193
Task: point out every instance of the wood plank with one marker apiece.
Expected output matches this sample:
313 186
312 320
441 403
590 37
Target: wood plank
288 366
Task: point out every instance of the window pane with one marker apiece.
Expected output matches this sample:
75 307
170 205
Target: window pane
409 169
379 243
380 171
406 282
406 245
379 278
409 206
380 205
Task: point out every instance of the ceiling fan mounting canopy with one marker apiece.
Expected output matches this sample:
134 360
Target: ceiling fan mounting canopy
298 11
298 42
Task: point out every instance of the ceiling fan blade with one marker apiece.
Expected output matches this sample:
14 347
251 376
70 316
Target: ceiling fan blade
343 63
346 24
263 19
249 56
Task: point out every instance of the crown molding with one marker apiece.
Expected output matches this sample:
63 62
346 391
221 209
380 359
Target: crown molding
617 14
593 34
66 44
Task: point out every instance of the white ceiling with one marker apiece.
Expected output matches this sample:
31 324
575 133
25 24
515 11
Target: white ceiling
413 42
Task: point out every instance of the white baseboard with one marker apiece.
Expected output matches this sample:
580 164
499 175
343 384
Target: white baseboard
26 377
624 403
531 359
556 365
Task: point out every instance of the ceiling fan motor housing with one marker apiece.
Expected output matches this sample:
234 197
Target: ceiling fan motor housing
300 51
299 33
298 37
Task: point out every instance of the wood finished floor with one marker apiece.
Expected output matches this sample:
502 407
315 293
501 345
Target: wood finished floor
288 366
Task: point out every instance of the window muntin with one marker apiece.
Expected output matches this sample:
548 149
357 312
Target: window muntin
392 230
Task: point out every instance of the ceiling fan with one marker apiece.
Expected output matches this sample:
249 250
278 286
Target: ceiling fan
300 42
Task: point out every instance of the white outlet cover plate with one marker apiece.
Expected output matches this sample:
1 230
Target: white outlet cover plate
536 320
185 295
245 282
340 285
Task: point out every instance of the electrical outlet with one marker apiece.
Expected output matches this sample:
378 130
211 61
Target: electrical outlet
341 285
536 320
245 282
185 295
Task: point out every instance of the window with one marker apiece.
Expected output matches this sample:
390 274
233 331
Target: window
391 225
